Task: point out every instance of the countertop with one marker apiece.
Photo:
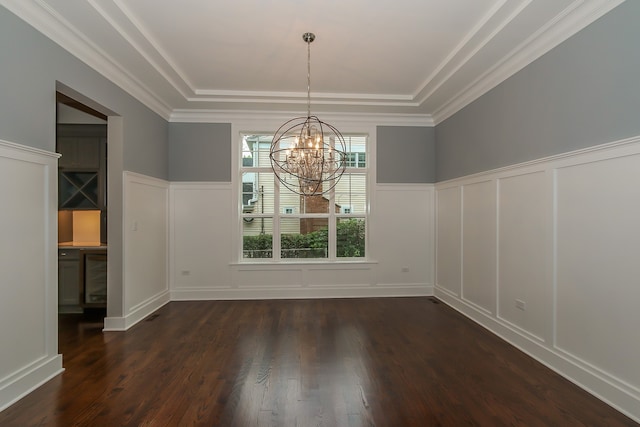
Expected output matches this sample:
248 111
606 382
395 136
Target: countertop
70 245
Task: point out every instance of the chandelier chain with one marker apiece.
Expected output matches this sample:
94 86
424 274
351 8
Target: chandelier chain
309 40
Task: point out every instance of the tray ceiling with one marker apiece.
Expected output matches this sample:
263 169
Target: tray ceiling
420 58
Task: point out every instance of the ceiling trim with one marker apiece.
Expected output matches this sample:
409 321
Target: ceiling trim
137 46
45 20
437 78
571 20
304 102
314 95
228 116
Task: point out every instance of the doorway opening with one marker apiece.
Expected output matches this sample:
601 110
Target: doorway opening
81 139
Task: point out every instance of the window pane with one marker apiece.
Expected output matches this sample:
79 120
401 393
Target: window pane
303 204
351 194
351 159
255 150
350 236
289 199
304 238
356 151
248 195
362 160
257 238
315 204
257 193
247 152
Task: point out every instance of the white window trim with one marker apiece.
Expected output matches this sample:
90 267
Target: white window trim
257 125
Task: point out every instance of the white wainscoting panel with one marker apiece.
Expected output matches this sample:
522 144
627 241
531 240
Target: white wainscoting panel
350 275
204 265
269 278
200 236
146 248
479 244
598 270
449 239
562 235
28 261
402 235
524 288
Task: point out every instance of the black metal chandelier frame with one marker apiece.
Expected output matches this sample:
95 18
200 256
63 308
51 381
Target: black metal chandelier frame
308 156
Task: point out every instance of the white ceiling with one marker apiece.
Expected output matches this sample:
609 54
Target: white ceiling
204 59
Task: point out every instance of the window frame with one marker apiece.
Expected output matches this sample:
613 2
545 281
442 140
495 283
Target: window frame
277 214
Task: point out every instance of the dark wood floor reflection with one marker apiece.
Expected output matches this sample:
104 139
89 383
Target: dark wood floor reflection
340 362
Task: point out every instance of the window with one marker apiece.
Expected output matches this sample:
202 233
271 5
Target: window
279 225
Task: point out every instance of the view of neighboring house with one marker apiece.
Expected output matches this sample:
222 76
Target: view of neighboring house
263 207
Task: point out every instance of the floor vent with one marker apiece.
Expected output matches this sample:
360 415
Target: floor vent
152 317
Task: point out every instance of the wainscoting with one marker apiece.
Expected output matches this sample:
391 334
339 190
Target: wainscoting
204 261
145 249
545 254
193 229
29 264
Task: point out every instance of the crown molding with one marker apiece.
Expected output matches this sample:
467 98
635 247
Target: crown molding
152 54
269 95
45 20
228 116
440 76
570 21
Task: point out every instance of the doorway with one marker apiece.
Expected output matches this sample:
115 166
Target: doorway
81 138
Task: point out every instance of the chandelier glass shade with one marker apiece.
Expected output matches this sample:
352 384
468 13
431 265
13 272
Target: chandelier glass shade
308 156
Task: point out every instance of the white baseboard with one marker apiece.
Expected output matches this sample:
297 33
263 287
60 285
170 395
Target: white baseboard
137 313
25 381
195 294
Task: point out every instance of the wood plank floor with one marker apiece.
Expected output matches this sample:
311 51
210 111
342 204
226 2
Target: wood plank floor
336 362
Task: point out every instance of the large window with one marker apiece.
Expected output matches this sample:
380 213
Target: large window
278 224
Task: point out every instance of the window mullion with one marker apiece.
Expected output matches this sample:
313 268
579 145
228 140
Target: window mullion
277 214
332 226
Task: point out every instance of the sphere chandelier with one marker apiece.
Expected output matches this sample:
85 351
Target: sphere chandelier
308 156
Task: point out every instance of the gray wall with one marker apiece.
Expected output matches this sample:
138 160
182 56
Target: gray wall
200 152
583 93
33 68
31 65
405 154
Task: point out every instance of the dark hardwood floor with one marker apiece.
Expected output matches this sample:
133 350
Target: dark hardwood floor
338 362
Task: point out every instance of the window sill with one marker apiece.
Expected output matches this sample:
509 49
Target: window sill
301 263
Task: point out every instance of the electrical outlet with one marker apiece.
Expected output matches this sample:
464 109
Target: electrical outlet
186 272
405 269
520 304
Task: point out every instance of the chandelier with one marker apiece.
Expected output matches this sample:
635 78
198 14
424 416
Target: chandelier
308 155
